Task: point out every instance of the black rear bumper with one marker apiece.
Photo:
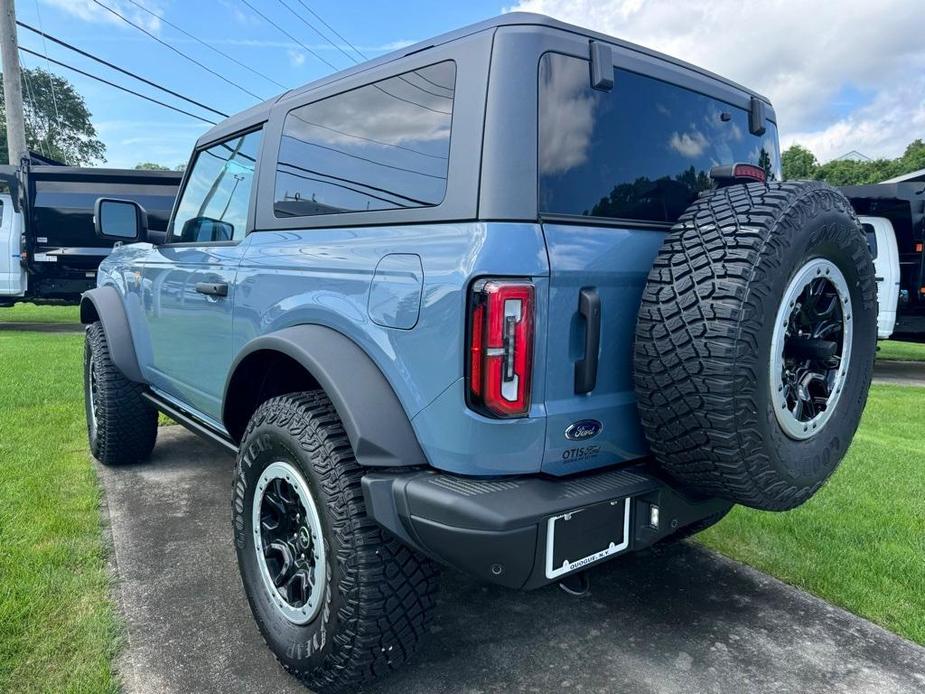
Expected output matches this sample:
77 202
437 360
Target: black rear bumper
498 529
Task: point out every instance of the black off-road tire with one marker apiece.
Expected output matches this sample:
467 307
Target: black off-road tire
379 593
125 427
703 341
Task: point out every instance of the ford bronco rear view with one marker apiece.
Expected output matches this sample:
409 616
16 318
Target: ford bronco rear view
515 300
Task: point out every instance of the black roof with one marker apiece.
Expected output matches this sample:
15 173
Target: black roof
260 112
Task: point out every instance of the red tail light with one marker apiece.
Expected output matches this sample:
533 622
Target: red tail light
501 347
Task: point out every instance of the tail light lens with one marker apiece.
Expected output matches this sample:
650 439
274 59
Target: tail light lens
501 347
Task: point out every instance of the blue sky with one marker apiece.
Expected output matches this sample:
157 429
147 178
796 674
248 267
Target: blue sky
134 130
843 74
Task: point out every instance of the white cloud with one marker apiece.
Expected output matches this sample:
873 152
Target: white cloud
802 55
296 57
89 11
690 144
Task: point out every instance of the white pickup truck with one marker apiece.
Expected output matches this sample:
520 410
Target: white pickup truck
893 215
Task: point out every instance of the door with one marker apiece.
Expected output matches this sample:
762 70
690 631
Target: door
881 238
12 274
189 282
616 170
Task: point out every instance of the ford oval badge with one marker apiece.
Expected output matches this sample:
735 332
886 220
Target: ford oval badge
583 430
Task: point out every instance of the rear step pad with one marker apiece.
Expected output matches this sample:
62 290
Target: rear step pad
502 504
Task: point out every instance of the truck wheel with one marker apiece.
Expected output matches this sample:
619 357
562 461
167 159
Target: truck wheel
337 599
121 424
755 342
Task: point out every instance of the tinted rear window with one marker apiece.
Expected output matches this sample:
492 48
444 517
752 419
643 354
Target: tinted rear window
642 151
383 146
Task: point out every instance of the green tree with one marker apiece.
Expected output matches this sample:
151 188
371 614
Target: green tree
913 159
798 162
58 122
151 166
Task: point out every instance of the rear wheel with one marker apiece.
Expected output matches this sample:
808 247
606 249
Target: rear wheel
755 342
338 600
121 424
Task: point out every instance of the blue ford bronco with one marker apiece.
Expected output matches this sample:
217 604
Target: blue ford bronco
515 300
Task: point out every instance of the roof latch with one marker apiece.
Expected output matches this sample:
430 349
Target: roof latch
601 66
756 117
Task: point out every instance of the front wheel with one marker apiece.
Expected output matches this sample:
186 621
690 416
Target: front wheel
337 600
121 424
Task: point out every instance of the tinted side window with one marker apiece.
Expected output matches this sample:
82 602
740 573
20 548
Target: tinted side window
379 147
217 194
871 239
642 151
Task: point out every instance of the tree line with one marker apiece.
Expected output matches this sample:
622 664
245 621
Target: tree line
798 162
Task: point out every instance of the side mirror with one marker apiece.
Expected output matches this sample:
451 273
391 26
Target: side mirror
119 220
206 230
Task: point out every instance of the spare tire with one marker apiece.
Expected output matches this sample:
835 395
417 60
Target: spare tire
755 342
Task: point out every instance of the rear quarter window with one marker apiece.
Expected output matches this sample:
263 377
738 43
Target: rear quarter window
642 151
382 146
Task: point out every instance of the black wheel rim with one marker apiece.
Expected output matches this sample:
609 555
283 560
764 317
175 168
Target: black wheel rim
811 348
288 542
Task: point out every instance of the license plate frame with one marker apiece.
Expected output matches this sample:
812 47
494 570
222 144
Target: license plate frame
592 518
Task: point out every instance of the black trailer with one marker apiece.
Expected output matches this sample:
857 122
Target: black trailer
903 205
58 248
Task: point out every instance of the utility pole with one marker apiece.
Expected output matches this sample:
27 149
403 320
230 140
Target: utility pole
12 84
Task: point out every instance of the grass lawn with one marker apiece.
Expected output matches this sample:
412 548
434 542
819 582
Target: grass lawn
860 542
891 350
57 628
30 313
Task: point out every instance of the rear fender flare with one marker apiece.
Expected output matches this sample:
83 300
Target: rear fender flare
374 420
104 304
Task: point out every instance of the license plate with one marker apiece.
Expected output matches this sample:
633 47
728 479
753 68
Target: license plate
583 536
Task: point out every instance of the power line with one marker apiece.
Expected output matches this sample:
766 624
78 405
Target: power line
25 78
208 45
350 57
176 50
333 30
335 68
373 161
51 82
295 114
116 67
351 180
315 29
283 31
118 86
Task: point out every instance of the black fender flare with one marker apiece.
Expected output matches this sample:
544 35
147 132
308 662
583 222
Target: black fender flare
104 304
373 418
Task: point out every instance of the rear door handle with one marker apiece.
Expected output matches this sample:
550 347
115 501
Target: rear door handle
589 306
212 288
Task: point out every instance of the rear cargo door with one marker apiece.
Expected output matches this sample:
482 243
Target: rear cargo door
617 166
597 277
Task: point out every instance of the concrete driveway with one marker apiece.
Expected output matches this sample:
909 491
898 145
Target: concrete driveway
680 620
